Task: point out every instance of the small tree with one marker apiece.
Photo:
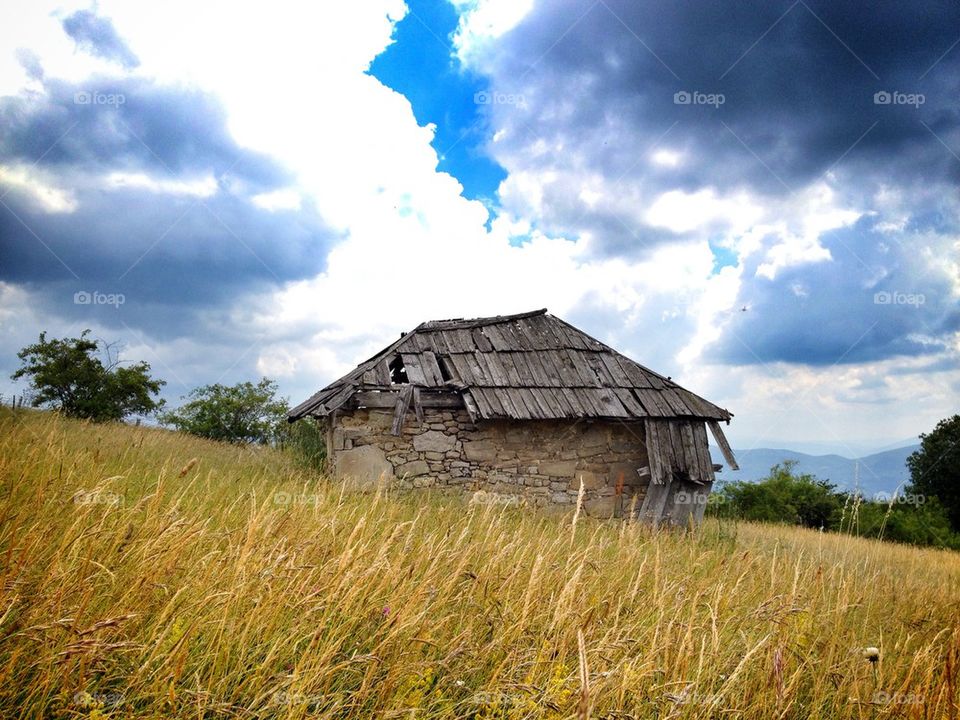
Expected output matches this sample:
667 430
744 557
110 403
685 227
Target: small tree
241 413
69 375
935 467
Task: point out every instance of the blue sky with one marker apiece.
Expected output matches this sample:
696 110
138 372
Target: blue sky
759 201
421 64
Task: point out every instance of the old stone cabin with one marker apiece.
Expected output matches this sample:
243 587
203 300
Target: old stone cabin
523 408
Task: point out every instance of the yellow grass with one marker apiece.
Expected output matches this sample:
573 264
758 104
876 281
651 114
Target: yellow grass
147 574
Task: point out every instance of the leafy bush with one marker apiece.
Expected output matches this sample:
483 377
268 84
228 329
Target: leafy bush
241 413
787 498
69 375
783 497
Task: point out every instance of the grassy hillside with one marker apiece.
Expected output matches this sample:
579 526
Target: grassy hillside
146 574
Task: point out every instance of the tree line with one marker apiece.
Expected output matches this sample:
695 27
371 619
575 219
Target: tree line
85 378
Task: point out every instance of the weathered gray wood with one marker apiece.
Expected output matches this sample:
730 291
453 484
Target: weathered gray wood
380 400
654 502
417 406
431 370
403 404
411 363
723 444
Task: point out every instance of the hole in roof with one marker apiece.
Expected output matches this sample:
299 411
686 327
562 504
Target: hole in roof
398 373
444 370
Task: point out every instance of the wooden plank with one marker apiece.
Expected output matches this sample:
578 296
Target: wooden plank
659 469
546 400
609 400
496 338
616 373
675 402
402 405
651 511
428 362
480 340
723 444
551 373
383 372
417 406
411 363
629 402
536 400
703 497
703 451
509 366
650 399
470 404
691 457
490 370
481 373
388 399
595 362
462 368
525 373
588 377
506 402
482 406
495 401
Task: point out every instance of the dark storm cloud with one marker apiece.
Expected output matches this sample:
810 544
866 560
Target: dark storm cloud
875 299
97 36
798 85
174 256
768 98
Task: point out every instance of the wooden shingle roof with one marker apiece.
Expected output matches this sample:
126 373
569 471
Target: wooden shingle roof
527 366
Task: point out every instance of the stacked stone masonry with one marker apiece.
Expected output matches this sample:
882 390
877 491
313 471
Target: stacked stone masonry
534 462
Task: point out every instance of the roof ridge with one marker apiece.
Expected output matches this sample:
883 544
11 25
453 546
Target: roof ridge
476 322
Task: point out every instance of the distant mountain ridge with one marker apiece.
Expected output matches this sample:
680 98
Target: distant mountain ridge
879 472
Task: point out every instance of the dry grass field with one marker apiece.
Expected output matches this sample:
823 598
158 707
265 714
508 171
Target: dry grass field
150 575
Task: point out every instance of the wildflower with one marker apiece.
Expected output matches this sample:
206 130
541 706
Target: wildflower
872 654
386 610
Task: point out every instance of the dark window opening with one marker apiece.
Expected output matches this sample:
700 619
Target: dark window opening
444 370
398 373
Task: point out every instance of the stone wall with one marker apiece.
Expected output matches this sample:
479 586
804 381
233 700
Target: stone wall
540 462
